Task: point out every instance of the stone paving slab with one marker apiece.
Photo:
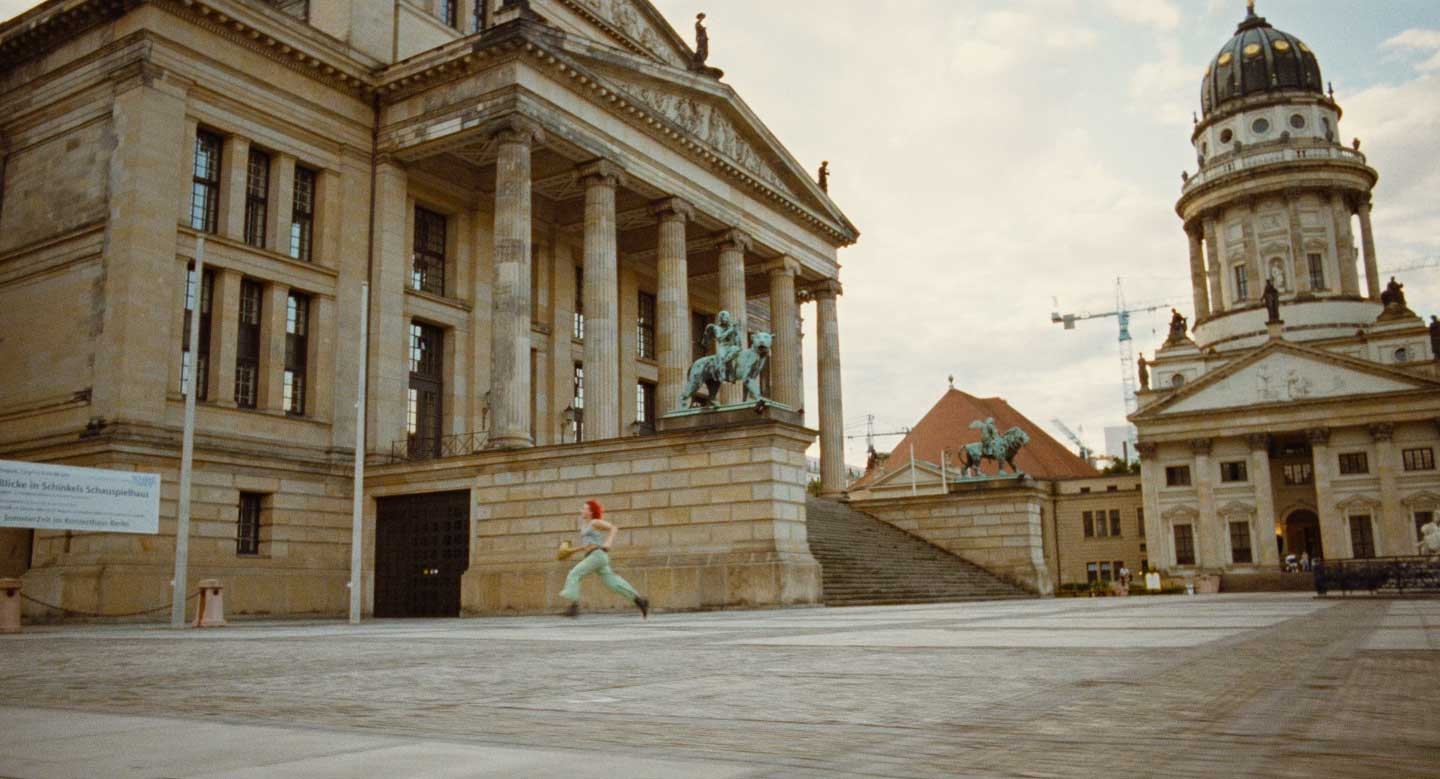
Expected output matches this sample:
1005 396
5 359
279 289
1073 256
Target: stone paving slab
1174 686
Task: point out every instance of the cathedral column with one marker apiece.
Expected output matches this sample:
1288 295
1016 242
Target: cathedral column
1299 264
1215 265
602 301
1333 533
832 423
510 328
1344 245
733 246
1152 480
785 356
1268 555
672 301
1393 532
1207 525
1367 249
1198 281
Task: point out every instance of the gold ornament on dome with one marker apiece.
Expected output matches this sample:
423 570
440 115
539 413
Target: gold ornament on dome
1305 48
1282 46
1224 59
1253 50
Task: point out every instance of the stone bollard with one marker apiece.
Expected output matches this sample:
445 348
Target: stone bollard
9 605
210 613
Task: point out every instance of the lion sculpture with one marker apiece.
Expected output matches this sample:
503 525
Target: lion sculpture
709 371
1001 448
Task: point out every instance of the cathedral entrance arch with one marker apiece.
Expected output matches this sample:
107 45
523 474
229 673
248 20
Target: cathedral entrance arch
1302 534
422 546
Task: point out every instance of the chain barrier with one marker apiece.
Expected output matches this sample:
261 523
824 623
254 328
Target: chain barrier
78 613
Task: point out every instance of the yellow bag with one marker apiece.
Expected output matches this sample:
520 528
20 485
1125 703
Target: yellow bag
565 550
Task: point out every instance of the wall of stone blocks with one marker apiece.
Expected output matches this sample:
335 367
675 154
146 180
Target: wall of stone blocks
996 527
708 519
1076 550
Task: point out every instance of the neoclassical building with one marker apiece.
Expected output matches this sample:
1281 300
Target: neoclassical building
1307 426
545 202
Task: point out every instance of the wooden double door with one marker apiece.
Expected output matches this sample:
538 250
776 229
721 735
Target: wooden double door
422 547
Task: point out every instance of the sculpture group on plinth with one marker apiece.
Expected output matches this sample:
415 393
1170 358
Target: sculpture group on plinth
731 362
1393 294
993 445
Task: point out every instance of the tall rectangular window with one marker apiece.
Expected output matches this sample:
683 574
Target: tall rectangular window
428 272
205 183
1233 471
1298 473
1092 572
1422 518
1362 537
1115 523
257 197
645 407
1422 459
645 327
1242 283
424 410
1088 518
297 345
577 330
1240 543
302 215
247 530
577 403
1317 271
1354 462
1140 521
202 343
480 18
247 353
448 12
1177 476
1184 545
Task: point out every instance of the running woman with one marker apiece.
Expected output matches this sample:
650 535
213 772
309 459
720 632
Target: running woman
596 536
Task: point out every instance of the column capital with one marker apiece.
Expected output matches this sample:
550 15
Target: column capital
1381 431
1201 445
517 129
673 208
600 172
785 265
1146 449
736 239
1362 202
1318 435
1258 441
825 289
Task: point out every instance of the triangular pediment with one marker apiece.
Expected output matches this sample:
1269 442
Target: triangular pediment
1180 513
1279 373
1424 499
924 473
631 25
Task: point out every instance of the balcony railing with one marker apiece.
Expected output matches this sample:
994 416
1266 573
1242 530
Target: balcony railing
415 449
1399 574
1260 157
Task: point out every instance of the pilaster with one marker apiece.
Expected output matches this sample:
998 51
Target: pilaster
1207 526
1152 480
273 310
1345 245
282 203
1333 533
1268 554
225 327
389 360
1215 265
1393 532
1198 282
1299 265
320 361
234 173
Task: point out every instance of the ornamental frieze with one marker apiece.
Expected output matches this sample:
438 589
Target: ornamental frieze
621 15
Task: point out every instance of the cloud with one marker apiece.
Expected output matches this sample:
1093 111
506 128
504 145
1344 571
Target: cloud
1166 88
996 41
1413 40
1160 14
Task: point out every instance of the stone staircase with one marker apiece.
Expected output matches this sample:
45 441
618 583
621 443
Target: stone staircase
868 562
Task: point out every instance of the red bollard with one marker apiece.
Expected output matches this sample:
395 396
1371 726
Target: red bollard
9 605
211 611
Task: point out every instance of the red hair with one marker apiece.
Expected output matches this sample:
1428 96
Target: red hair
597 511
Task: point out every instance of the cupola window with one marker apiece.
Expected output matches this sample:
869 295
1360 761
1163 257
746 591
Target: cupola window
1226 135
1297 121
1260 126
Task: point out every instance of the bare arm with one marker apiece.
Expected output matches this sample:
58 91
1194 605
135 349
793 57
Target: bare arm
600 524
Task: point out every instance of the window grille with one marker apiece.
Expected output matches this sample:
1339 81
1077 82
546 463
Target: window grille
297 344
257 197
428 271
205 184
247 353
302 215
247 531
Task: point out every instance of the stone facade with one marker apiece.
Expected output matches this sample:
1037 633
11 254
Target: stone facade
1094 528
1310 430
472 169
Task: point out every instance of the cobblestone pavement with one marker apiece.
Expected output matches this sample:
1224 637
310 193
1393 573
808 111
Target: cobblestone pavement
1205 686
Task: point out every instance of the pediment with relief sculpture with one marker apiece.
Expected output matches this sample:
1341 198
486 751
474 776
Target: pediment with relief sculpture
634 24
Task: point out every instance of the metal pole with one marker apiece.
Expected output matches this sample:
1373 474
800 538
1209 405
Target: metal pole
913 487
358 500
944 484
187 448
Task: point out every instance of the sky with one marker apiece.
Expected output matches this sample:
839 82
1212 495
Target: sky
998 155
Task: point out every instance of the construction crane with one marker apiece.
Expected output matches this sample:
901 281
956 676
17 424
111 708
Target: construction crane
1127 353
1085 453
1423 263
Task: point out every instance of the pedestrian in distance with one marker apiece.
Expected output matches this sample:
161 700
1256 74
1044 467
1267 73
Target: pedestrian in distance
596 537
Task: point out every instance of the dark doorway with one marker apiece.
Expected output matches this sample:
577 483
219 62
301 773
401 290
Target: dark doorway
422 546
1302 534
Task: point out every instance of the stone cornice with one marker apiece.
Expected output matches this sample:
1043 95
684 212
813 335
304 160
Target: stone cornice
43 27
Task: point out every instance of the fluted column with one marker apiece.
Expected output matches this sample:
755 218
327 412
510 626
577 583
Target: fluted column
1268 554
602 301
785 352
1214 265
1344 245
1367 249
673 301
1299 265
1152 480
733 246
1394 534
510 326
1333 533
225 325
1199 284
1207 525
832 423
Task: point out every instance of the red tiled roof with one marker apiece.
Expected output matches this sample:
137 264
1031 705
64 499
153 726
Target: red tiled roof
947 427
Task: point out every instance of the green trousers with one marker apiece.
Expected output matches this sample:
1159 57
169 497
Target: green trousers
597 561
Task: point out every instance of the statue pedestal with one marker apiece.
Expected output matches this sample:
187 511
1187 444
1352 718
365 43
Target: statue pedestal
734 415
1275 329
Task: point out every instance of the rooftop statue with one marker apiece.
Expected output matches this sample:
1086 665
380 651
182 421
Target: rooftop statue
1144 368
1435 336
729 363
1393 294
702 40
1178 326
1271 298
993 445
823 178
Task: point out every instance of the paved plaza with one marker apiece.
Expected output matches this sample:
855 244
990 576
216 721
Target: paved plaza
1212 686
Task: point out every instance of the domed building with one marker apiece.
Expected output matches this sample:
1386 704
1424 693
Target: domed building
1299 415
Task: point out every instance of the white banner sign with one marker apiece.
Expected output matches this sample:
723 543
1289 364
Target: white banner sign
62 497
